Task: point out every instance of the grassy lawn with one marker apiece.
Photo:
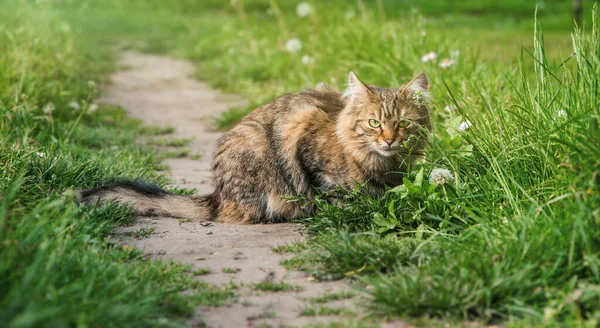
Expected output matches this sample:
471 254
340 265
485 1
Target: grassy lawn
513 235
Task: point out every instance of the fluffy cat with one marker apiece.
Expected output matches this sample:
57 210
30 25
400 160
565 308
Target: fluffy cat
297 145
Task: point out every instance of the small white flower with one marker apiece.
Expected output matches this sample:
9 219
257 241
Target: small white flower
93 107
73 104
446 62
450 108
541 5
454 54
464 126
40 154
429 57
293 45
49 108
560 114
303 9
440 176
423 34
418 97
308 60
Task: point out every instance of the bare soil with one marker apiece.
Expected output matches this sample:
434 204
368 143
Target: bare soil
159 91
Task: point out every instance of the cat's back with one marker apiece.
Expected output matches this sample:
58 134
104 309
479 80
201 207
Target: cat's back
320 103
288 124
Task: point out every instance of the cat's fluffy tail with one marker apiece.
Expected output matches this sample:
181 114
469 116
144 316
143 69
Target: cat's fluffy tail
149 199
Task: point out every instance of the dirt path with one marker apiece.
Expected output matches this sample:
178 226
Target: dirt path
160 92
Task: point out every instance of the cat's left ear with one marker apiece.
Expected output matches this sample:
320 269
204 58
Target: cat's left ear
357 90
419 83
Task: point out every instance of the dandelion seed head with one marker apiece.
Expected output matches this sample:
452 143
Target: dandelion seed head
303 9
561 113
48 108
308 60
293 45
464 126
75 105
440 176
450 108
431 56
541 5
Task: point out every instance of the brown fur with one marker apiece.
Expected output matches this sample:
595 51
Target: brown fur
301 143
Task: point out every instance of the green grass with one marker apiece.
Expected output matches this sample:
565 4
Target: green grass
324 311
143 232
177 153
201 271
514 238
181 142
231 270
281 286
329 297
156 131
57 264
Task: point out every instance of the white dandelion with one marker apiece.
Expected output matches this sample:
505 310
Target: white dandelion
446 62
429 57
293 45
75 105
308 60
450 108
48 108
440 176
454 54
560 114
303 9
541 5
349 15
464 126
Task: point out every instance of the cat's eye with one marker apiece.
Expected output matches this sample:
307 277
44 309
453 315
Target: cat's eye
374 123
404 123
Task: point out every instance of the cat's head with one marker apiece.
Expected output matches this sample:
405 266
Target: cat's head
386 121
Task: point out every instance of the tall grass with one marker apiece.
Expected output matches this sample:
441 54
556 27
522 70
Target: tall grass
517 234
58 266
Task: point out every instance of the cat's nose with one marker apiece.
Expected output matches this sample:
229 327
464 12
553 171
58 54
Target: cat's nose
389 142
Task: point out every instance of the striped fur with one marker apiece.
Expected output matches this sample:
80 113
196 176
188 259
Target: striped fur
296 145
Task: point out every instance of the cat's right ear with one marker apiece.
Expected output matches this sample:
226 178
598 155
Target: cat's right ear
356 89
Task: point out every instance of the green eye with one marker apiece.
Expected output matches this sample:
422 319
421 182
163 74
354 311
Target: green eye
374 123
404 123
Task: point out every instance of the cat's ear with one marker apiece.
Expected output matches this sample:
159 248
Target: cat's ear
356 89
419 83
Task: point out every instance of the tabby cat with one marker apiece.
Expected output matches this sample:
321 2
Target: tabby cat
298 145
